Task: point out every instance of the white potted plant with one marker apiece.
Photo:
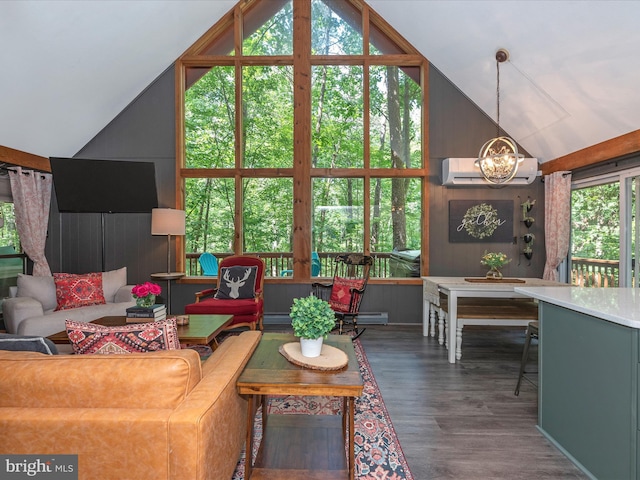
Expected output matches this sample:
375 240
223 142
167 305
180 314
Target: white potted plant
312 319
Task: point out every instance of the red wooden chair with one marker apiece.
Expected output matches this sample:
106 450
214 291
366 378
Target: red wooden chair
239 292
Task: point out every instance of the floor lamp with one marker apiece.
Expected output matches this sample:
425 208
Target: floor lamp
168 221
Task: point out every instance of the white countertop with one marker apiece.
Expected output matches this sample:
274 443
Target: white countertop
617 305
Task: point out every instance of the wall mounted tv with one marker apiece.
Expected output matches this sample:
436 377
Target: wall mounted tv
104 186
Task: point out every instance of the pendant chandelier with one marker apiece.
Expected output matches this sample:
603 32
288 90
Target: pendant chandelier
498 159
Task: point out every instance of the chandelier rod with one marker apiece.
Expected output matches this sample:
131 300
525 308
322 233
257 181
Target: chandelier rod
498 94
502 55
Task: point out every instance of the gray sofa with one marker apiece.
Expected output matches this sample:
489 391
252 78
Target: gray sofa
32 310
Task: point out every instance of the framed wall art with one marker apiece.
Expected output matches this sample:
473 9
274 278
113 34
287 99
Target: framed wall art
481 221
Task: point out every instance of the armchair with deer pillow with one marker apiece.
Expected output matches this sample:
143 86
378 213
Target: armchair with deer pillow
239 292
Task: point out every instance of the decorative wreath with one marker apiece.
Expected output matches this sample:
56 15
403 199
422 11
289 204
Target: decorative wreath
480 221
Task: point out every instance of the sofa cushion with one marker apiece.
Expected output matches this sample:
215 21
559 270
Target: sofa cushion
213 306
53 322
131 338
237 282
341 292
74 291
112 281
27 343
155 380
43 289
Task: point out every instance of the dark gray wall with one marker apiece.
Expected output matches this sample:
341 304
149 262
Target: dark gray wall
458 128
145 131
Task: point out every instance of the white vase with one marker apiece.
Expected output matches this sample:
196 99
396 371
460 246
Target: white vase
311 347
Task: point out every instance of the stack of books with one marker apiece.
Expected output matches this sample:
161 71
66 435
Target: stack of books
154 313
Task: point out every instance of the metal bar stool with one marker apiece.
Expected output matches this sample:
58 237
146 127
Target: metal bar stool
532 332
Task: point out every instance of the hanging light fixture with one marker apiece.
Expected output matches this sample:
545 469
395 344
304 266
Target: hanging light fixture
498 159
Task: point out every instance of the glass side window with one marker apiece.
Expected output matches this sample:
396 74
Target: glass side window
396 226
338 216
210 219
267 113
9 245
209 119
595 235
336 28
396 117
268 218
336 104
268 29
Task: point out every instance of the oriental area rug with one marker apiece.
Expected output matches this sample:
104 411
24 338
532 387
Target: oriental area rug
378 455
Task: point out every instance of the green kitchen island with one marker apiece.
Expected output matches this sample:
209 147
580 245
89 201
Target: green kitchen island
588 380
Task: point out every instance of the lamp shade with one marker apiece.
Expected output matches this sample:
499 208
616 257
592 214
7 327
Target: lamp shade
167 221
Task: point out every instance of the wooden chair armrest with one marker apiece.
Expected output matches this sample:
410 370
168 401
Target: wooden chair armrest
209 292
321 285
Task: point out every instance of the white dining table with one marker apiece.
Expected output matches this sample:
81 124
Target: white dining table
457 287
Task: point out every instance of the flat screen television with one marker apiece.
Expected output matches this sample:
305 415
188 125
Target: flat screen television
104 186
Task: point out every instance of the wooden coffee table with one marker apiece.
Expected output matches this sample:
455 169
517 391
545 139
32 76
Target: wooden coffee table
201 330
300 446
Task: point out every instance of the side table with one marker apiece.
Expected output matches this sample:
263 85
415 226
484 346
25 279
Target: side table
168 277
300 446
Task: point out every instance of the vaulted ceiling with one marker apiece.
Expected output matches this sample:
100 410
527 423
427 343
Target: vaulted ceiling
572 81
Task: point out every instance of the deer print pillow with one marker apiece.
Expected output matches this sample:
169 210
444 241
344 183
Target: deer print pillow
236 283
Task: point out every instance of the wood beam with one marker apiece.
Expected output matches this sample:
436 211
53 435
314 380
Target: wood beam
601 152
24 159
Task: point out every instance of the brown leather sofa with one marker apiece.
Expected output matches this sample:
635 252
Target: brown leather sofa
161 415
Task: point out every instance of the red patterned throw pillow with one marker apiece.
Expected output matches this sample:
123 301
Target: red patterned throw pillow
130 338
78 290
341 292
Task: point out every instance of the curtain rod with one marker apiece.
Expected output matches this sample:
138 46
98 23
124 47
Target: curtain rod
24 172
564 175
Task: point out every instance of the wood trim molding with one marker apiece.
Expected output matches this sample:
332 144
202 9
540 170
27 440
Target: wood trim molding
601 152
24 159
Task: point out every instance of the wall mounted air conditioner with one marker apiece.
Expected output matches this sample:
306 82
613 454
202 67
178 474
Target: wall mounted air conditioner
459 172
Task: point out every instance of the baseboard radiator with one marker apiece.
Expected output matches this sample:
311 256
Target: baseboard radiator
370 318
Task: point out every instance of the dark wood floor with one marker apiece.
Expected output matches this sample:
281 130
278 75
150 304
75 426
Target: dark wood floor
463 421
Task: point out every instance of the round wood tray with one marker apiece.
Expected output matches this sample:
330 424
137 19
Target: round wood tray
331 358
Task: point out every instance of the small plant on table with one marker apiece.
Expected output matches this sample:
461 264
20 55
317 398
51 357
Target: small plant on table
312 319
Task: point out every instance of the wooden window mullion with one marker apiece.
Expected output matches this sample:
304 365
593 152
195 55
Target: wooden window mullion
238 244
302 139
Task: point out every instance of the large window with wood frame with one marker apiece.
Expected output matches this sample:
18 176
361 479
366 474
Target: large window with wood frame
301 135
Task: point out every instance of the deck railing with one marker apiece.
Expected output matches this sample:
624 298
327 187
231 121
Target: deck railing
277 263
585 272
592 272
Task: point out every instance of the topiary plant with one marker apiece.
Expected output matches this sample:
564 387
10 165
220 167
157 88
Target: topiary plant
312 317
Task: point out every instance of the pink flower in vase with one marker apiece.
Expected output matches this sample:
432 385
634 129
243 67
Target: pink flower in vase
145 289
